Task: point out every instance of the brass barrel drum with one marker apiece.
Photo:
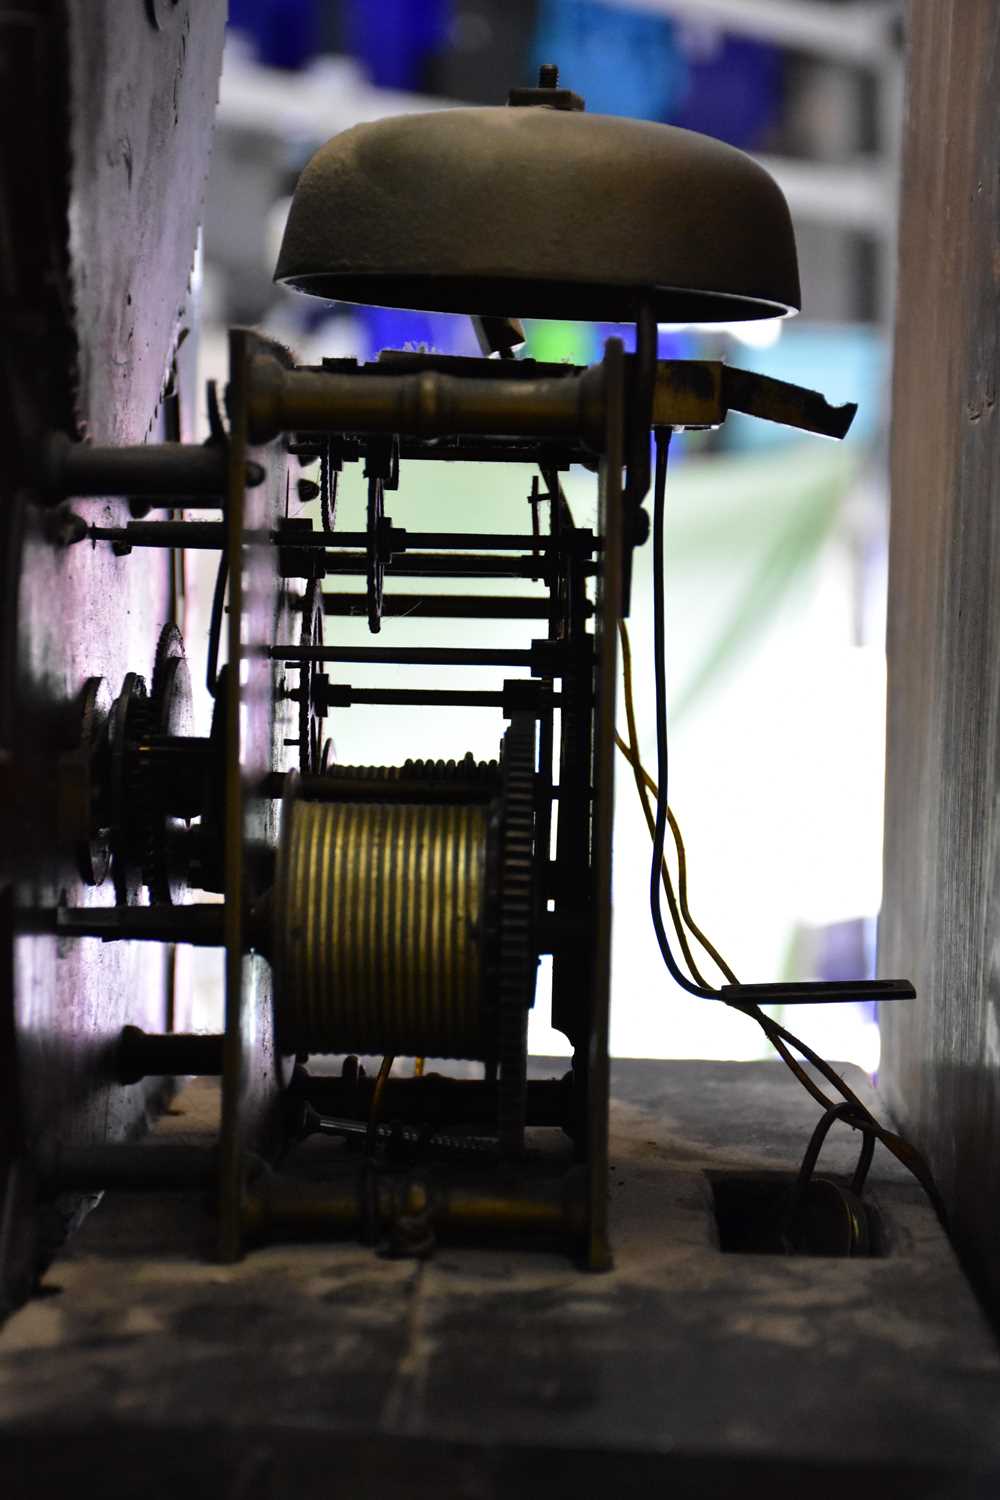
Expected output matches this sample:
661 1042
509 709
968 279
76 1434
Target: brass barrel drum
380 928
402 919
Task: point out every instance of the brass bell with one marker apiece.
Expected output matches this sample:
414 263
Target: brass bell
541 212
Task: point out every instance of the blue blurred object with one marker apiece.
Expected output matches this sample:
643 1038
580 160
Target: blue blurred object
849 362
657 69
622 64
670 343
285 33
395 328
846 950
393 39
734 86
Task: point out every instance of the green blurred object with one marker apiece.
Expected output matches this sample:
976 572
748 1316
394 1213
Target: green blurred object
573 343
744 535
791 544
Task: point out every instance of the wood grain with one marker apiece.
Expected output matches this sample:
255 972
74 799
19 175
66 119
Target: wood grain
941 913
107 126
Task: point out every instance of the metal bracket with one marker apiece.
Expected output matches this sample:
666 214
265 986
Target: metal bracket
701 393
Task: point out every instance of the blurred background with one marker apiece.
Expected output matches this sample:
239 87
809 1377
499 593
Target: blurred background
776 544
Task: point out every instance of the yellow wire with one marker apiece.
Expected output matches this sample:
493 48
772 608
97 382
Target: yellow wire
776 1034
643 780
371 1135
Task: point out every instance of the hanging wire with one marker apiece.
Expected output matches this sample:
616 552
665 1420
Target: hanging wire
648 784
374 1113
644 784
845 1112
779 1036
864 1160
800 1187
703 991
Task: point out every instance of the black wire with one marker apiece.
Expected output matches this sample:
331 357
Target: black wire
852 1108
864 1161
846 1112
663 435
215 624
796 1198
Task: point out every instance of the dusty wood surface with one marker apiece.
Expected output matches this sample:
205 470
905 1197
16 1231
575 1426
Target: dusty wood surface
941 917
315 1369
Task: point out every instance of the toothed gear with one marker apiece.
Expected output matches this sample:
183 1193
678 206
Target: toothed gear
374 563
131 834
93 849
329 480
516 956
139 825
143 804
310 724
467 769
170 712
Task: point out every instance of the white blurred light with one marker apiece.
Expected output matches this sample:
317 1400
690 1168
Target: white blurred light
759 333
756 333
